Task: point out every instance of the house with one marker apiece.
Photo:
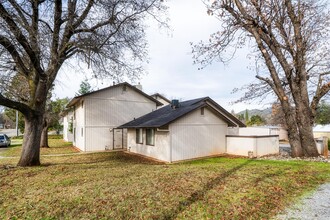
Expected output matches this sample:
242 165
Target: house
182 130
162 99
96 115
321 131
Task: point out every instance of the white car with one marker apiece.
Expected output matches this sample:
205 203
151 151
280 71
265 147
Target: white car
4 140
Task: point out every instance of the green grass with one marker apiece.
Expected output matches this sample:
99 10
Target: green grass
115 185
56 146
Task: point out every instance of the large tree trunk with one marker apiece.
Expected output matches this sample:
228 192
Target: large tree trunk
293 133
44 134
31 143
306 133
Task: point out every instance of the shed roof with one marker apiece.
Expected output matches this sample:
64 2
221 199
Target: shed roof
167 114
78 98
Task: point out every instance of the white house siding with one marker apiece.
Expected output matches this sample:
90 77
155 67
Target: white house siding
197 135
161 149
79 127
109 109
67 135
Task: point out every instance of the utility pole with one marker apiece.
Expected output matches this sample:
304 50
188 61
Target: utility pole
16 123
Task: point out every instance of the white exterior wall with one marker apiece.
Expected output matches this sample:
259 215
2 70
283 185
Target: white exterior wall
267 145
321 134
79 127
283 134
161 149
67 135
240 146
109 109
260 146
197 135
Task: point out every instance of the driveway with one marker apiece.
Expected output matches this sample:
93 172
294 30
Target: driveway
314 206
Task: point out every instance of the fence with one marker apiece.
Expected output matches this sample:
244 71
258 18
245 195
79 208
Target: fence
252 146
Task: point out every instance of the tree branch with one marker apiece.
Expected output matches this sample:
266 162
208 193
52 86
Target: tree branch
6 43
20 38
14 105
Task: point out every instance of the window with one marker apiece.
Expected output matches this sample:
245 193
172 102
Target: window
139 136
82 132
150 136
202 111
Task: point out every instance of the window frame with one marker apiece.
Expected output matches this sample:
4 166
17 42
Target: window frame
150 140
139 135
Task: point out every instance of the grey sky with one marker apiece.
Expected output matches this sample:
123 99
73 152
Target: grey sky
170 70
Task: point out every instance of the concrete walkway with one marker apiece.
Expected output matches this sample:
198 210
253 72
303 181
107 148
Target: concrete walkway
315 206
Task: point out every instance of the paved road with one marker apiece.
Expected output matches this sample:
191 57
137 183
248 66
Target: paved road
315 206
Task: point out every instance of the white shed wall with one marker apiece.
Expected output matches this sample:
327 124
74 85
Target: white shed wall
197 135
161 149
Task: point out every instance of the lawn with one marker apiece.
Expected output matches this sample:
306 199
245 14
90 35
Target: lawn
56 146
116 185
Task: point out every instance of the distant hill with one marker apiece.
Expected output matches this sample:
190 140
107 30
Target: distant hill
264 113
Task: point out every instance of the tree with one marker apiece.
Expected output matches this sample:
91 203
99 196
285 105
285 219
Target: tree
255 120
85 88
277 117
289 40
323 114
52 119
38 37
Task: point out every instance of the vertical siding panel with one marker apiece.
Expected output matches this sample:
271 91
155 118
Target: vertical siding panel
109 109
198 136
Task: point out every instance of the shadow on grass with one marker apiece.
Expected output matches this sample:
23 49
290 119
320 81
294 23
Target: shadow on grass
95 158
200 194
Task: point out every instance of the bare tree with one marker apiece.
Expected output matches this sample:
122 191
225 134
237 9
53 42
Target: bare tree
37 37
289 40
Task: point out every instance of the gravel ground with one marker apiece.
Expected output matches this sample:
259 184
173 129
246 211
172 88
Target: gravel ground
313 206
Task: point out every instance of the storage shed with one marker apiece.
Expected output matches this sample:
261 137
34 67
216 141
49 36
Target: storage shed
181 131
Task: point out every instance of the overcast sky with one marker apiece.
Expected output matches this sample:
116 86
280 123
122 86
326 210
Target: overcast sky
171 71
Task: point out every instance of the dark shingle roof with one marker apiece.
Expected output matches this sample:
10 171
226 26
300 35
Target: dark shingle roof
167 114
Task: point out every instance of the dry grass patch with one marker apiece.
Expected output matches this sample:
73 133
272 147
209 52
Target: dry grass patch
121 186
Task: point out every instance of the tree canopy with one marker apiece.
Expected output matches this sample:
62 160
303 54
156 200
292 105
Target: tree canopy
38 37
85 87
289 43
